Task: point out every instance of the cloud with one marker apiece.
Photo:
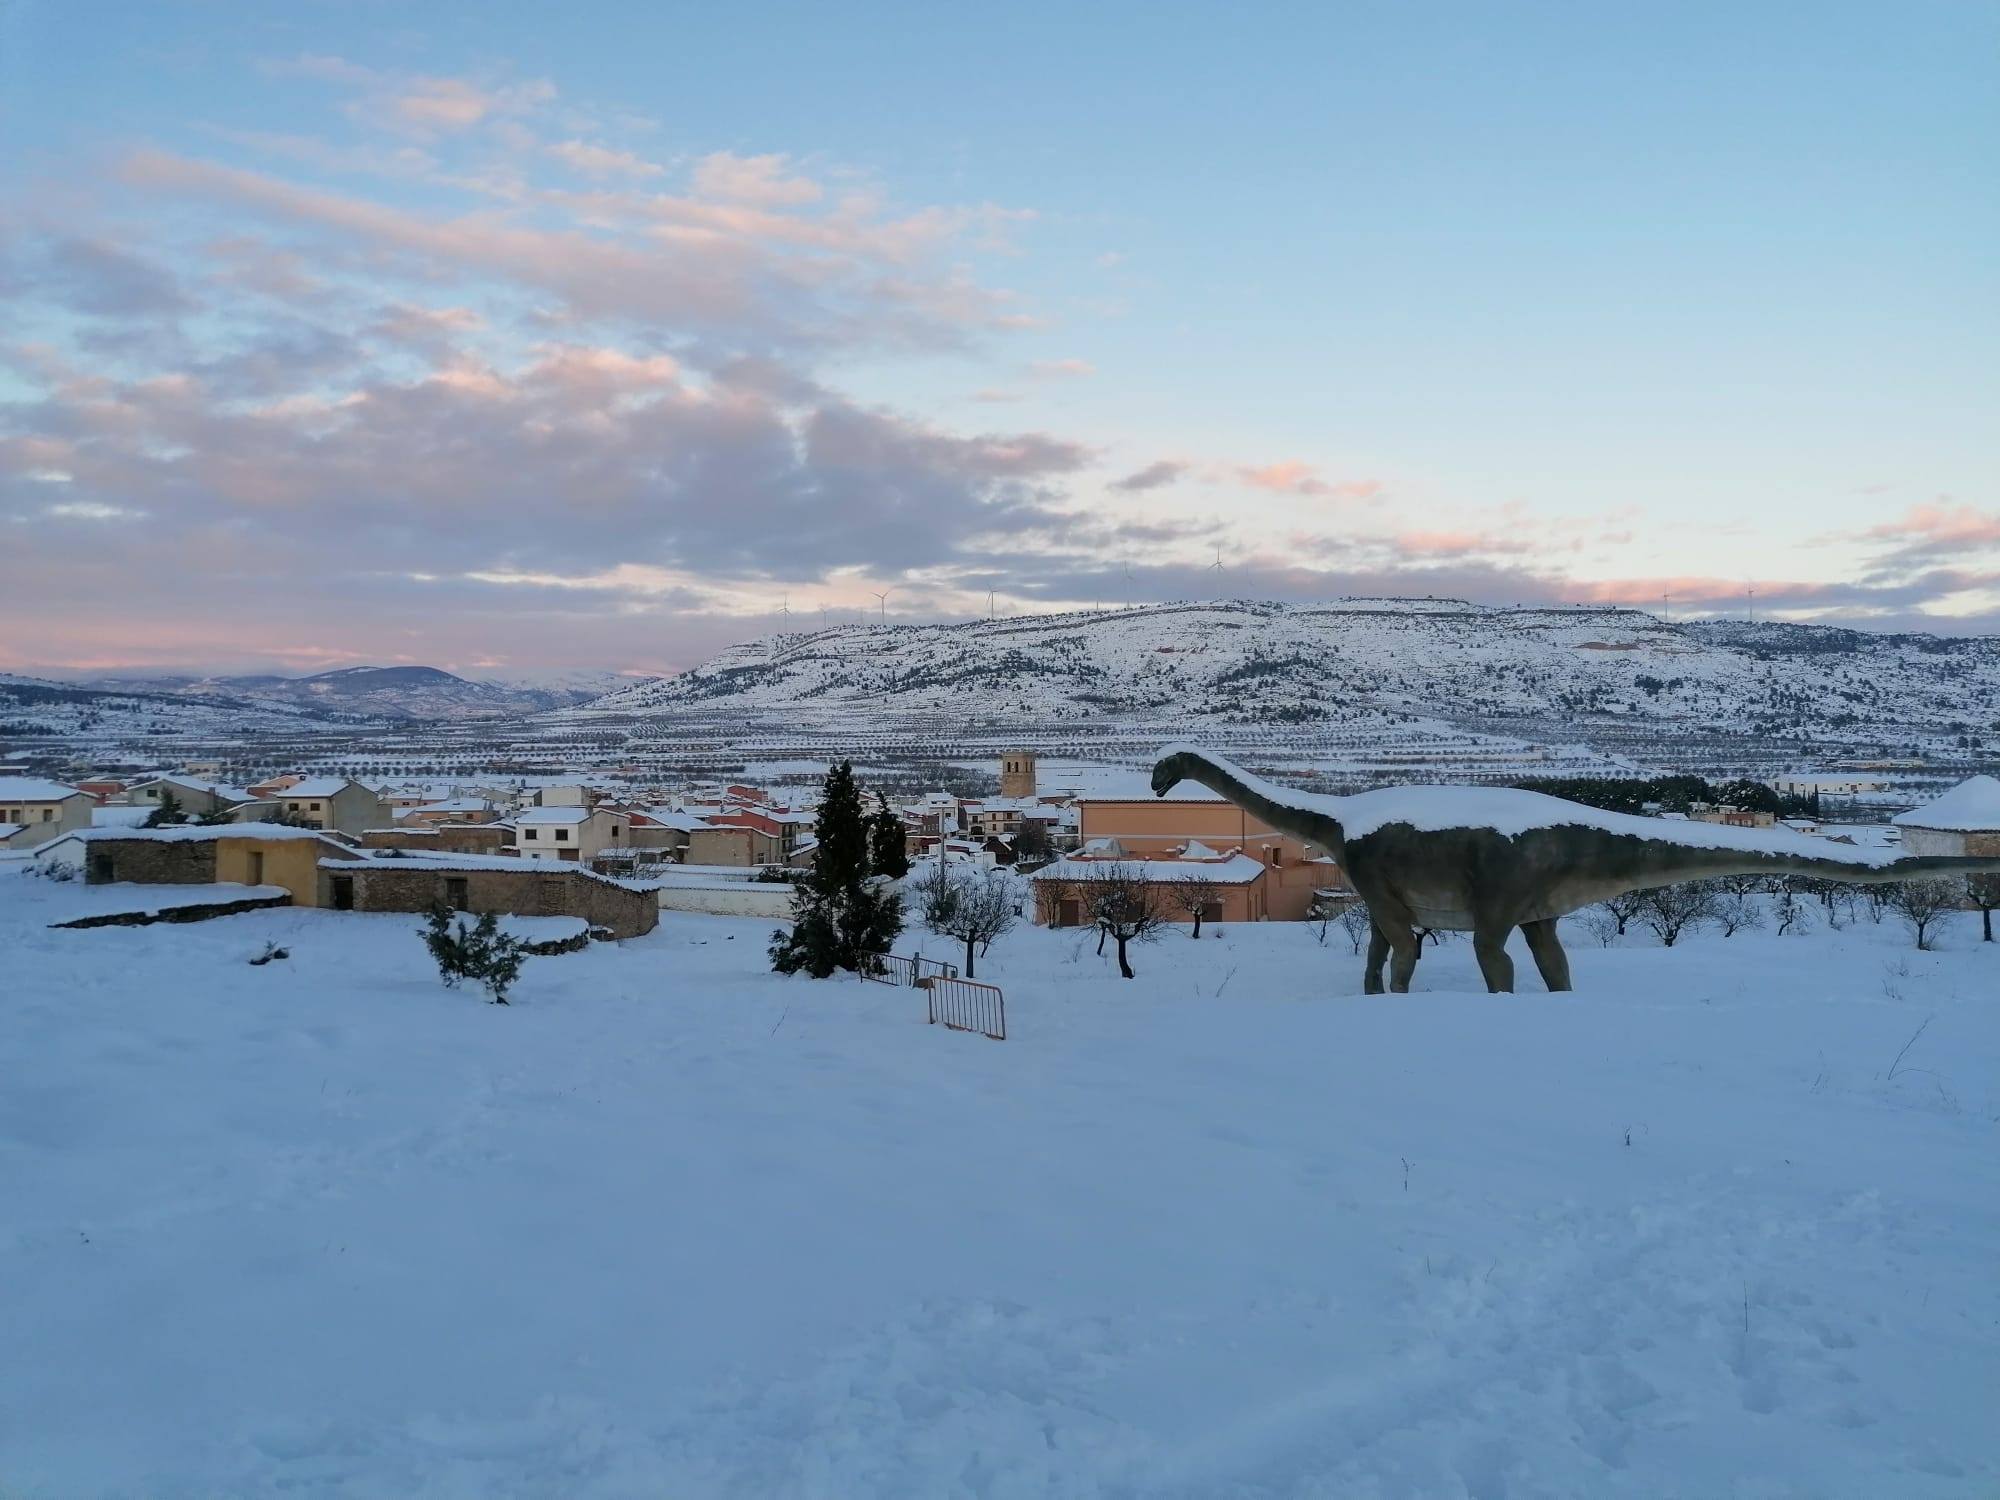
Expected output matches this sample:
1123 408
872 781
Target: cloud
1939 529
603 161
1292 477
89 275
1154 476
762 180
1061 369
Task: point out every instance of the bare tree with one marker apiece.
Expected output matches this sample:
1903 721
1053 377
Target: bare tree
974 909
1623 908
1672 910
1984 891
1599 922
1191 895
1126 907
1357 924
1794 914
1736 910
1921 902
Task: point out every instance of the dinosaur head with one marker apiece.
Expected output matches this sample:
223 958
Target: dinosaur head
1169 772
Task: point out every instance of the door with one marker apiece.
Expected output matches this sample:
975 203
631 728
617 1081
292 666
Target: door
343 893
256 866
456 894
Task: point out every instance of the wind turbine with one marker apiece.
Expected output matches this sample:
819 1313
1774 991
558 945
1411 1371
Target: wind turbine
883 600
989 604
1216 568
1128 585
1750 593
785 608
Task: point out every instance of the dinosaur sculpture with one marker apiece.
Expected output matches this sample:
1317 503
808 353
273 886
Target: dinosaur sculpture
1486 860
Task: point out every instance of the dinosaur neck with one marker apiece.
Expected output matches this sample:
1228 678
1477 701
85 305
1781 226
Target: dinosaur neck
1307 827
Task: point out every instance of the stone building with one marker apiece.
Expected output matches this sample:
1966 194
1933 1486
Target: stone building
1965 820
505 885
234 853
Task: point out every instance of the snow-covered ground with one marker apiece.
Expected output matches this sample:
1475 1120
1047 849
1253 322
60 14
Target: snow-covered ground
670 1226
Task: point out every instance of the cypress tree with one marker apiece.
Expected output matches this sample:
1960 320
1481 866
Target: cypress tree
842 909
887 845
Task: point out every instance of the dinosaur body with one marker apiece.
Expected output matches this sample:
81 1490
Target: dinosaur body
1486 860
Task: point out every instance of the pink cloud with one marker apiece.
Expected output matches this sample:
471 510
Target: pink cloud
1293 477
1940 525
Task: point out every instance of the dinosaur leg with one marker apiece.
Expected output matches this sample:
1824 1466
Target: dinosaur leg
1404 941
1378 952
1548 951
1489 946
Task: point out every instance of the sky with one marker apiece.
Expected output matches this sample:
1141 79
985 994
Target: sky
519 339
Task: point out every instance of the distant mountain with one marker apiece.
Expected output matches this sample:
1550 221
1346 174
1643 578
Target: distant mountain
1616 678
380 694
106 712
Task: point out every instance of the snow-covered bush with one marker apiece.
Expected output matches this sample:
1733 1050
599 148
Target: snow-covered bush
481 952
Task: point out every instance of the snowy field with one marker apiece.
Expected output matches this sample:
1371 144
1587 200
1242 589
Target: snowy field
672 1227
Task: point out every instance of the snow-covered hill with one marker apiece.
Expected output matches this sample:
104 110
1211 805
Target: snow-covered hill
387 693
33 708
1613 676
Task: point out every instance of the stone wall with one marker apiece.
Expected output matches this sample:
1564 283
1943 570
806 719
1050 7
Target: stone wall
543 890
150 861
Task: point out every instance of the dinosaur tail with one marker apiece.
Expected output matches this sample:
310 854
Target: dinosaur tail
1910 867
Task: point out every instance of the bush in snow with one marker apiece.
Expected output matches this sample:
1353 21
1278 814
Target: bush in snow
481 952
48 869
167 814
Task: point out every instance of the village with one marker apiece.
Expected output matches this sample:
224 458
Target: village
617 854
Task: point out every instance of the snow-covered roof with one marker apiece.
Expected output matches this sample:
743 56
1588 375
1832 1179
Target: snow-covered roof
34 789
553 815
1196 849
1510 812
317 786
200 833
668 817
426 859
1238 869
1973 806
195 784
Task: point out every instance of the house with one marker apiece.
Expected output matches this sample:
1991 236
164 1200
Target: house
1965 820
102 789
570 833
196 797
33 811
337 804
271 786
1233 886
239 853
733 844
1162 827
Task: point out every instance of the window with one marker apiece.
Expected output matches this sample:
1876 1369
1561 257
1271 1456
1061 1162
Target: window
614 830
48 813
315 807
529 833
562 835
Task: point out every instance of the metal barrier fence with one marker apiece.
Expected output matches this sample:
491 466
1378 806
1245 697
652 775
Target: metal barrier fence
967 1005
910 973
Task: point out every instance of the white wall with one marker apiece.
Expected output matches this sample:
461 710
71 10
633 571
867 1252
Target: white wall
735 898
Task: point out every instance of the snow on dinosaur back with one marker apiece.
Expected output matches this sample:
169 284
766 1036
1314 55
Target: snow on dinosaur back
1511 812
